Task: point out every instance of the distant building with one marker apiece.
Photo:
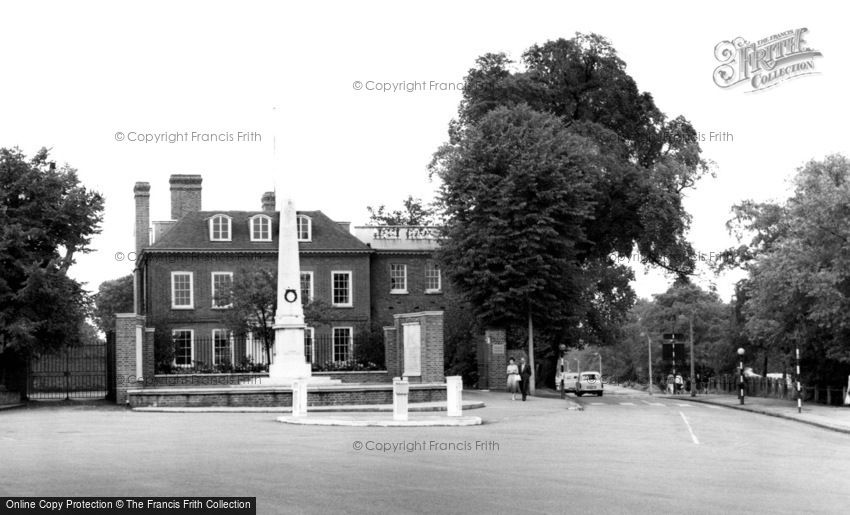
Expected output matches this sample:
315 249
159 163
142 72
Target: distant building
365 277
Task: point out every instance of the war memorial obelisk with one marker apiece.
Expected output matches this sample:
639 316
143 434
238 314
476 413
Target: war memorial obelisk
289 362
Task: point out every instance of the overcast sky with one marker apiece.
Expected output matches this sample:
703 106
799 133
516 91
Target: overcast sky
75 74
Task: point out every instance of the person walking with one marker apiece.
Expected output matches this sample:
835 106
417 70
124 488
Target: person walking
513 378
525 377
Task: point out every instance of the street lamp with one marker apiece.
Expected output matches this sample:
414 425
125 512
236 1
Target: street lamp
600 363
741 373
563 349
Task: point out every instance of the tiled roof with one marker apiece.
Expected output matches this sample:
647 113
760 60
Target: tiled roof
192 232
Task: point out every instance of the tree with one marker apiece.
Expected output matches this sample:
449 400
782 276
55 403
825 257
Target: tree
253 300
798 259
414 212
549 174
47 217
517 191
114 296
684 304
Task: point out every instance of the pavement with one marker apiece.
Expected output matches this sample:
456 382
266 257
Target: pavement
625 452
834 418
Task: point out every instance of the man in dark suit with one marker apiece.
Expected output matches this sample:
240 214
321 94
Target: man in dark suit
524 376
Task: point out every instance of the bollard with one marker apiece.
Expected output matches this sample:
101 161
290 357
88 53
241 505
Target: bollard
299 399
401 388
454 389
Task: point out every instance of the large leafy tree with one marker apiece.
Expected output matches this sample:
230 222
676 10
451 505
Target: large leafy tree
798 259
46 218
684 306
113 296
553 169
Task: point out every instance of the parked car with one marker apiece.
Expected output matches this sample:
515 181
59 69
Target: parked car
570 380
589 382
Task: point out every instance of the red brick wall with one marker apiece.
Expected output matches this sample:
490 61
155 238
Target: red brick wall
204 318
385 304
276 397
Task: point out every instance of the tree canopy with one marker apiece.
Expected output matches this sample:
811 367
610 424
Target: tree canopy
113 296
413 212
47 217
552 169
798 259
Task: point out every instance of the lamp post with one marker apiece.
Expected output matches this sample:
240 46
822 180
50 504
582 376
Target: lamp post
598 355
562 348
741 374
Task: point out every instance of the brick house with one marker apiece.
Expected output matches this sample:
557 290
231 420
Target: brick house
365 277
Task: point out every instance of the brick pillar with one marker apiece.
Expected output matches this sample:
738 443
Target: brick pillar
130 338
433 363
391 354
148 356
431 344
495 358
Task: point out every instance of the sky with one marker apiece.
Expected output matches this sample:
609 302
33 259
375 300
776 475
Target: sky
78 74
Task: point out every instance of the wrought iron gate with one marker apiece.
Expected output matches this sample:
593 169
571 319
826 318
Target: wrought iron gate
84 372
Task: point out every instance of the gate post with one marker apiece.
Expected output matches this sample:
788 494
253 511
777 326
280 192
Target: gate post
492 360
130 341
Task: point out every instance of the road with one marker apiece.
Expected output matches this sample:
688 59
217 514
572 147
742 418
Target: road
625 453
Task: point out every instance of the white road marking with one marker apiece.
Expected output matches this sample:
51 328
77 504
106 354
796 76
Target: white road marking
658 404
711 406
685 405
693 436
597 404
627 404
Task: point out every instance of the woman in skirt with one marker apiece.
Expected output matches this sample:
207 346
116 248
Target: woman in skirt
513 378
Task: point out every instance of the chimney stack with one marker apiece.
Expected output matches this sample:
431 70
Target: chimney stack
185 194
268 201
142 194
346 226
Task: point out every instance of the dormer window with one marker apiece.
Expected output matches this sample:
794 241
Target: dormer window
220 228
261 228
305 228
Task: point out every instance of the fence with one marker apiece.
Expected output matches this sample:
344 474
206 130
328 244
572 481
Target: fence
235 354
776 388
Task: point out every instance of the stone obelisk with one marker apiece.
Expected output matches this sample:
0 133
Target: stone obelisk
289 362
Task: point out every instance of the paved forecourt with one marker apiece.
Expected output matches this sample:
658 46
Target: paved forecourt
534 456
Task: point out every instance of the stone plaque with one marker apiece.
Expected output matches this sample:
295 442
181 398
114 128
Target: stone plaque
412 350
498 348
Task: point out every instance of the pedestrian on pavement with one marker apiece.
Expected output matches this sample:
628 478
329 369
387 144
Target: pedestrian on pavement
670 384
525 377
679 383
513 378
688 384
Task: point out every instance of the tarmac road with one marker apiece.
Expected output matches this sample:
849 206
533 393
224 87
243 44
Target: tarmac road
625 453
